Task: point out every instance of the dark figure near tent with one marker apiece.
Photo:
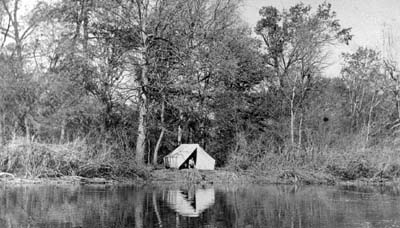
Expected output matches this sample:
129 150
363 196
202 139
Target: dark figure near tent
191 163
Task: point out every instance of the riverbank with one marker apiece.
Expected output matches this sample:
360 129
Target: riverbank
288 176
193 176
227 176
151 175
31 162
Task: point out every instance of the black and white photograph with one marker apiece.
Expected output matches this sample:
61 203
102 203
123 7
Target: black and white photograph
199 113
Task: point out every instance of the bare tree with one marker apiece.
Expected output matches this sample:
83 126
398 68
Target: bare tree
296 42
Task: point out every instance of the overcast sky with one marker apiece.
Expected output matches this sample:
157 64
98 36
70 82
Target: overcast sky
366 17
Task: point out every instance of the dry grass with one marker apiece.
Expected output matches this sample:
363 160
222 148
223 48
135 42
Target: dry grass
349 158
33 159
354 160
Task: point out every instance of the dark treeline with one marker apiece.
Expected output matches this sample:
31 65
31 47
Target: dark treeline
129 80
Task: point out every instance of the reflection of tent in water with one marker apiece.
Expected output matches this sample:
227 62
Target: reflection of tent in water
190 203
189 156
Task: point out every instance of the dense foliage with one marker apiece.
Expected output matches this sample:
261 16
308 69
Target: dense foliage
132 79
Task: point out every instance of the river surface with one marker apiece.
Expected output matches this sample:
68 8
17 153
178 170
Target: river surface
246 206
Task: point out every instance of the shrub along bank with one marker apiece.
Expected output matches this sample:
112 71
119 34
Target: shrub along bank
38 160
34 160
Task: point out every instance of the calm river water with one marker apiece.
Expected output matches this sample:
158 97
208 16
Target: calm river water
199 206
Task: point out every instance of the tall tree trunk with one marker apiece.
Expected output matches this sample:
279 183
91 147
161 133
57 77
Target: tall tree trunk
398 103
292 116
85 20
397 92
202 134
398 106
373 105
18 41
15 129
158 145
27 129
62 134
179 135
148 150
141 138
180 127
142 126
300 133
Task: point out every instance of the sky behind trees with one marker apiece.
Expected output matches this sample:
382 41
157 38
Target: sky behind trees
367 18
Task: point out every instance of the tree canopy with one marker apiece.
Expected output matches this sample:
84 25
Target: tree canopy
134 79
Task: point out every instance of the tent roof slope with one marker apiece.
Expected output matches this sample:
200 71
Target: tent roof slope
184 148
187 149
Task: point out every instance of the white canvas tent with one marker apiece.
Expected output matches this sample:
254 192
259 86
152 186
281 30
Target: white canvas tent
181 156
190 204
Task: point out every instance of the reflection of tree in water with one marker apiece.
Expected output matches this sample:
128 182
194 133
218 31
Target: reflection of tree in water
270 206
291 206
245 206
40 206
77 206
